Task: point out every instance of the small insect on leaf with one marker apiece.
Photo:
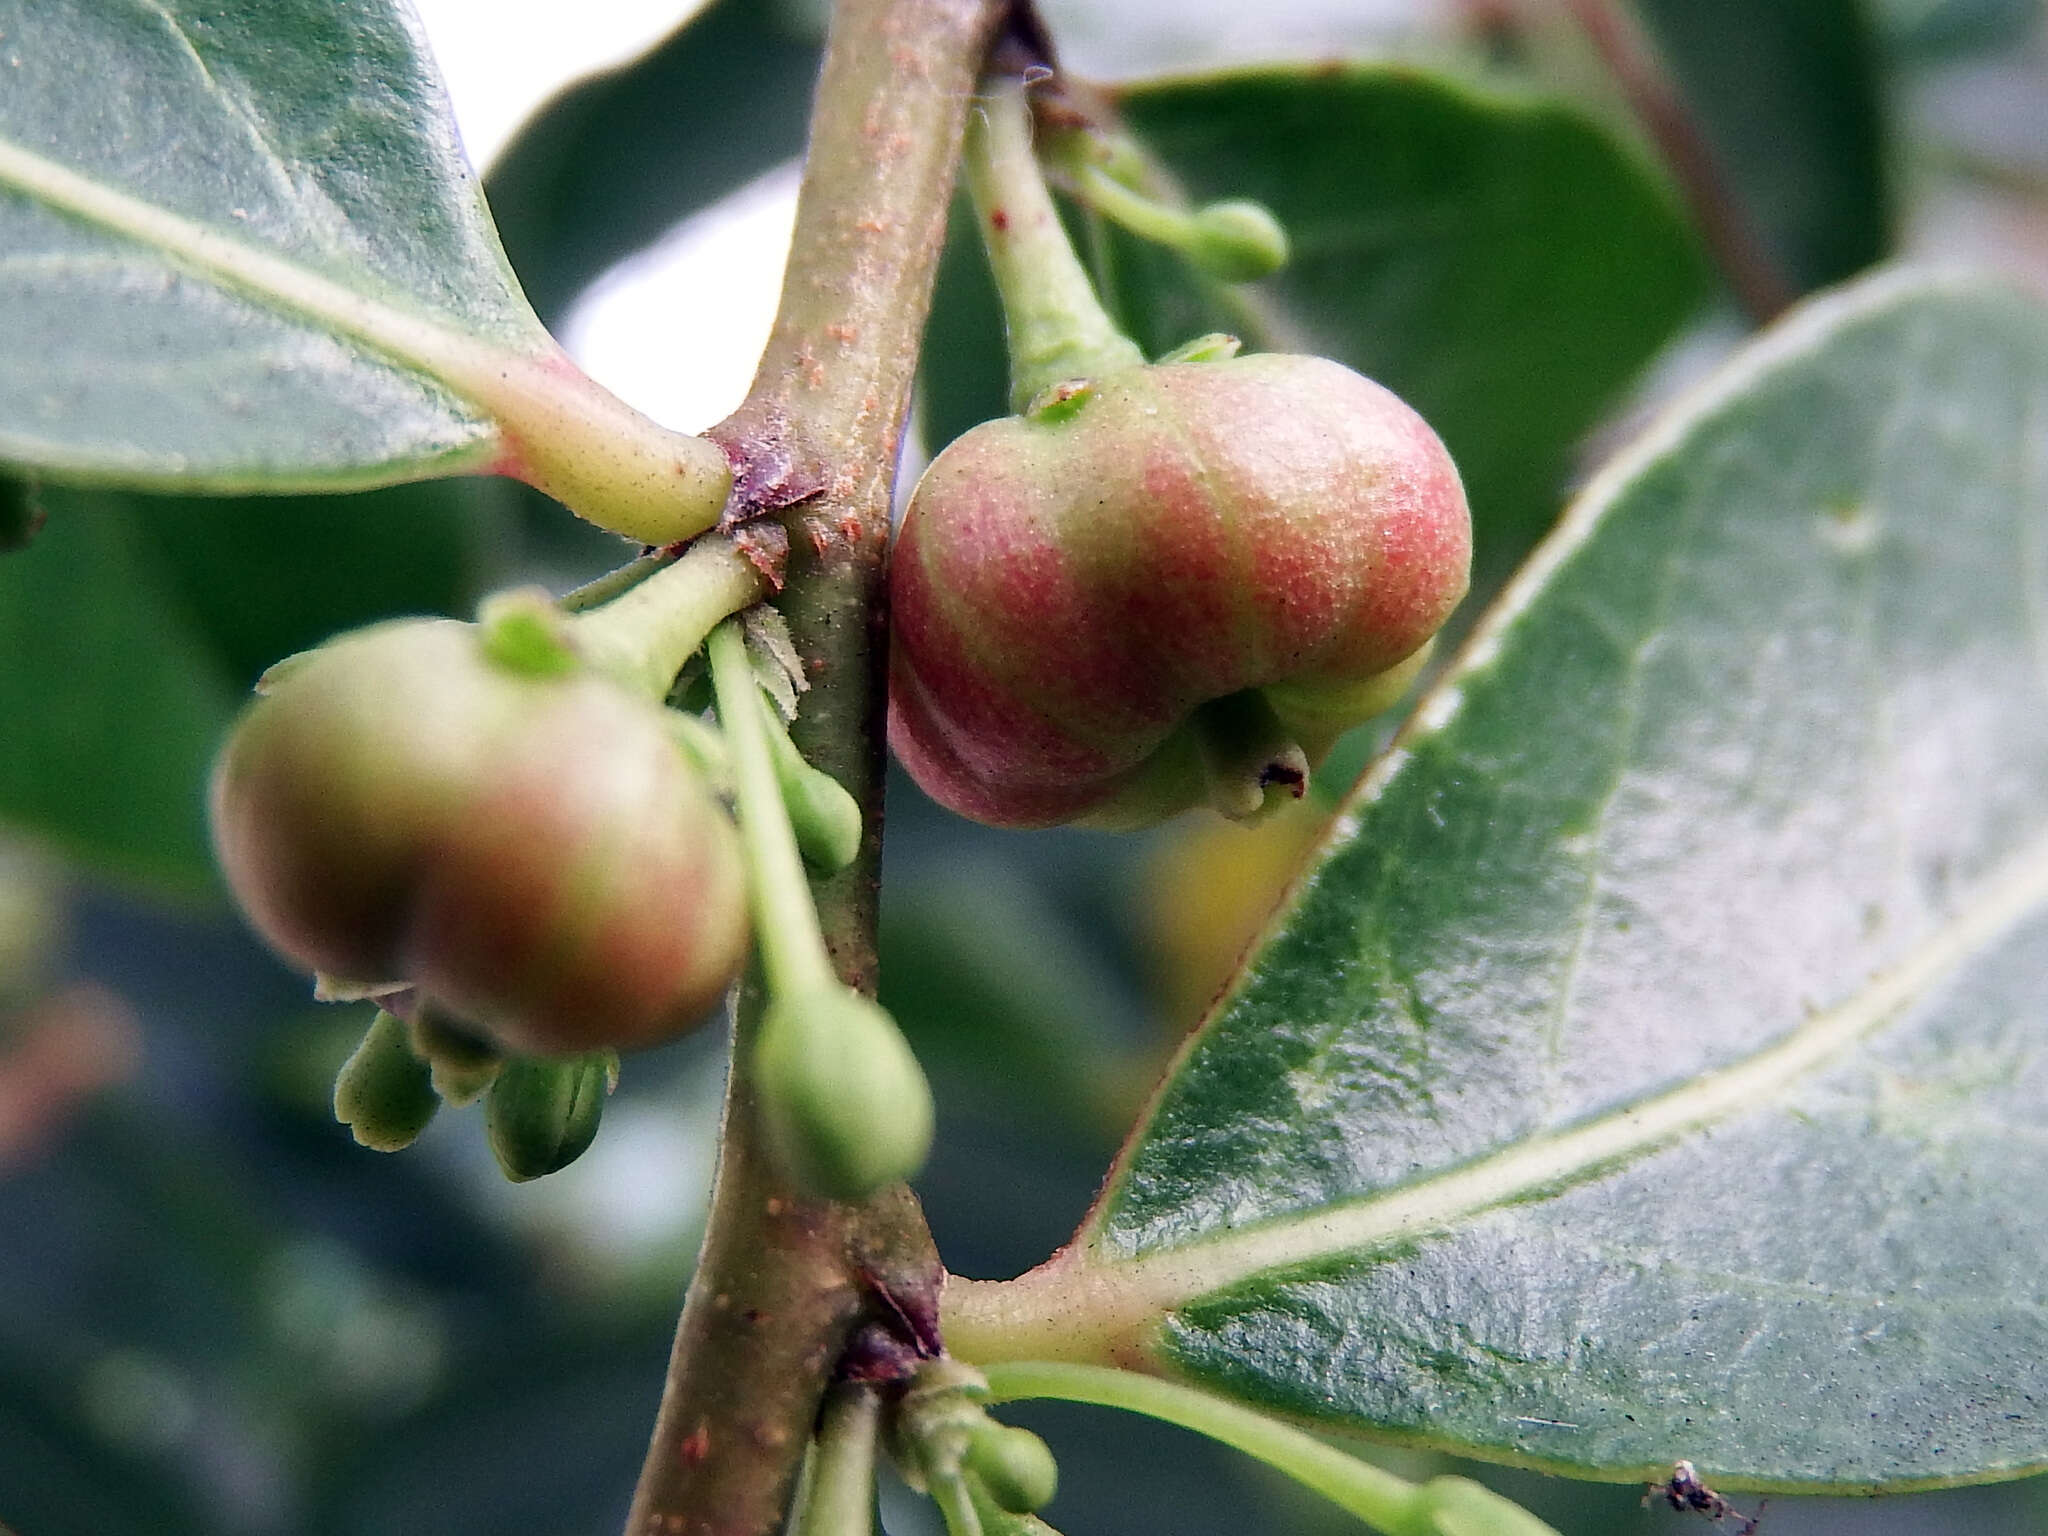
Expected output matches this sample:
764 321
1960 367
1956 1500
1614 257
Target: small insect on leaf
1683 1490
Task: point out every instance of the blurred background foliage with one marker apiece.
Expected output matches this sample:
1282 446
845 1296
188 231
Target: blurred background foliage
219 1315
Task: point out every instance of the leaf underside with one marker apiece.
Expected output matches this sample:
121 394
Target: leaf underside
1652 1064
1790 94
307 130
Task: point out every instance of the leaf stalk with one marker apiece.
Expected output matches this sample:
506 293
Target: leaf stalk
1388 1503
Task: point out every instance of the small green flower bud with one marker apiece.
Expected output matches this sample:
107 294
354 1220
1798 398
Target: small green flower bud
846 1106
1014 1465
1215 347
542 1115
524 632
1060 402
463 1064
384 1093
1237 241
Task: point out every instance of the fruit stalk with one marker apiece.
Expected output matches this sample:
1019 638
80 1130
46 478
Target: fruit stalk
1058 329
776 1291
838 1497
643 636
785 920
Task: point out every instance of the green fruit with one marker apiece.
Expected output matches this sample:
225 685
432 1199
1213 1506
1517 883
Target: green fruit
1178 588
542 1115
384 1093
845 1105
1014 1465
533 853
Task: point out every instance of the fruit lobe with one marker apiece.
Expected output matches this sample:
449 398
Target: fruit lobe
1068 590
534 855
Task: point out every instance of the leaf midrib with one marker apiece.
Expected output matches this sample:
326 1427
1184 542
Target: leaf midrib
463 362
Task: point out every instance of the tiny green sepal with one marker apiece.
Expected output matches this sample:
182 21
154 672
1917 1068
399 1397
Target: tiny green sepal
330 988
384 1093
846 1106
1216 347
542 1115
523 632
1060 402
464 1065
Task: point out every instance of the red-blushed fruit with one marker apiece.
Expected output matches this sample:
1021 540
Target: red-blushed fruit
535 855
1085 597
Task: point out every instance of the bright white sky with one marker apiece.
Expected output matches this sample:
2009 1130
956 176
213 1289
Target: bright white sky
714 278
503 58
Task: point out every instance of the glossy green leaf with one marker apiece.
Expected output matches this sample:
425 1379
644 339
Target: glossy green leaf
223 226
1790 95
616 159
242 252
1499 261
1653 1063
131 629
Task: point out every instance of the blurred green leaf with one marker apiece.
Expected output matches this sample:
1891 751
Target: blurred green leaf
131 628
1498 260
1929 30
1790 95
1650 1066
987 980
113 704
213 263
21 513
263 576
615 160
60 1476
